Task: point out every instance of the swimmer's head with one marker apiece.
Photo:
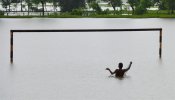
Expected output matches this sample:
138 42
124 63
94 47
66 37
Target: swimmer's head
120 65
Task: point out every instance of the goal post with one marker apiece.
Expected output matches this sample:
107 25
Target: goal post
83 30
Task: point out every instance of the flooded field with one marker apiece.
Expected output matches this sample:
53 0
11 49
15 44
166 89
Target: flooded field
71 66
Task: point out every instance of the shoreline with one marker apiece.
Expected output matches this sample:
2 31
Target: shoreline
95 16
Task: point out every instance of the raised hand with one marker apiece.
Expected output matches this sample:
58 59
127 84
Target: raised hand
130 62
107 69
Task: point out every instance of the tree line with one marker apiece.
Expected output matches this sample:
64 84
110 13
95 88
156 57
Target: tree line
138 6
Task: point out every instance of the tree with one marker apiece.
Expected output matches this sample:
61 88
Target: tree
133 4
95 6
139 10
29 5
171 6
15 3
69 5
162 5
42 2
115 3
157 2
55 4
140 6
21 5
167 5
6 3
143 5
15 6
89 2
146 3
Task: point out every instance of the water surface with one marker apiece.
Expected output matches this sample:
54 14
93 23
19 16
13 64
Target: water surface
71 66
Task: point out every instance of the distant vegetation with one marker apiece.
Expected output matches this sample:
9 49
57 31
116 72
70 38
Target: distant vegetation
91 8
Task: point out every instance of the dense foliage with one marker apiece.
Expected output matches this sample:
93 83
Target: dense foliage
79 7
69 5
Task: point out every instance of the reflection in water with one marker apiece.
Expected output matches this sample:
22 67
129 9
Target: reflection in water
120 78
12 66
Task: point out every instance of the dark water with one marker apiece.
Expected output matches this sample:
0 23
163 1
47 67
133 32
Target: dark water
66 66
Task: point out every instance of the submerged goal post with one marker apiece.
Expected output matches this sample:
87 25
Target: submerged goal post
83 30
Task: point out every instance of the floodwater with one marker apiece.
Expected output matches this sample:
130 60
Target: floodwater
71 66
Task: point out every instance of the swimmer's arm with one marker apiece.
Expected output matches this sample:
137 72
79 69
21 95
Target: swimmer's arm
128 66
110 71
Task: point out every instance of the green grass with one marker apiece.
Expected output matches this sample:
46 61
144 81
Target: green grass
149 14
116 16
18 16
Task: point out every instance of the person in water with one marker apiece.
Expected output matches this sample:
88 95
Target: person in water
120 72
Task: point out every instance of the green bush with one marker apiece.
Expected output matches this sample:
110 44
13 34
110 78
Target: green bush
96 7
140 10
79 11
118 12
1 12
106 12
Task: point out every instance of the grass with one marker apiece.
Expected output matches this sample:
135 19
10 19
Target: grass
149 14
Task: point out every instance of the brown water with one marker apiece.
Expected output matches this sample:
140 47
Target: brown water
71 66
